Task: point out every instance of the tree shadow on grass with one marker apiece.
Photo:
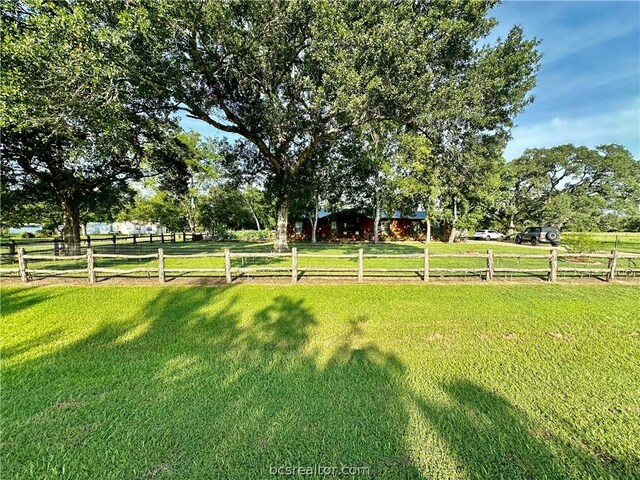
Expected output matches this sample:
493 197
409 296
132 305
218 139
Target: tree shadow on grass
206 385
211 383
492 438
19 298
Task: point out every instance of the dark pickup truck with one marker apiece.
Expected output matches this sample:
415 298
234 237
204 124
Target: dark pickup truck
537 235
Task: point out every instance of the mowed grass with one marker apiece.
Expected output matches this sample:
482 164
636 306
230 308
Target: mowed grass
434 382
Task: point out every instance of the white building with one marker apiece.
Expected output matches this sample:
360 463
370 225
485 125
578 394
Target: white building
129 228
27 228
95 228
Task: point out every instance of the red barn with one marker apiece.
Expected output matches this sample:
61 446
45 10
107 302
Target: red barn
357 224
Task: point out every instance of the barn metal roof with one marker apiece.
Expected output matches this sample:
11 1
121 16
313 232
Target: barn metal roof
419 215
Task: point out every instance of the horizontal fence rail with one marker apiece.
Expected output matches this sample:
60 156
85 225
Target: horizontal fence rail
59 246
487 271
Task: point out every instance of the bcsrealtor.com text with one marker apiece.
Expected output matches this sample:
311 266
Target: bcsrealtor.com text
318 470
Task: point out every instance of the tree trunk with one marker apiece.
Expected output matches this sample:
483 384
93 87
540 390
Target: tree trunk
255 217
314 226
71 213
512 225
427 238
314 223
376 224
454 232
281 244
191 215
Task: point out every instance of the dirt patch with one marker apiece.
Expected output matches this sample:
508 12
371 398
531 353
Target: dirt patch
581 260
304 280
506 336
158 470
437 337
511 336
540 434
561 336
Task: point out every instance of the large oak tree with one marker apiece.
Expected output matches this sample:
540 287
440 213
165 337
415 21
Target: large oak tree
74 130
573 186
288 76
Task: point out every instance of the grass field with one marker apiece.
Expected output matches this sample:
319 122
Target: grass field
433 382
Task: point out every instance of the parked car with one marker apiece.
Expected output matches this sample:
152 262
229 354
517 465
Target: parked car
487 235
536 235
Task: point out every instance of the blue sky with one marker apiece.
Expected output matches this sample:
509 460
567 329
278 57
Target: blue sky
588 90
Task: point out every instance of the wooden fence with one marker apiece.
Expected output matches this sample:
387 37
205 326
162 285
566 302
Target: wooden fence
488 271
59 245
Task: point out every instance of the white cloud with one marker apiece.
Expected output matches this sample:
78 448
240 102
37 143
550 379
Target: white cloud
558 45
622 127
567 28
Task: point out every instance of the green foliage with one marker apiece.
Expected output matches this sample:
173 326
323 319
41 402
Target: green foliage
632 224
289 77
250 235
576 188
44 234
581 242
226 207
159 207
75 130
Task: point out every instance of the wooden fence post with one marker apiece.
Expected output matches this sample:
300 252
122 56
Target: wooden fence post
161 265
91 265
294 265
360 265
151 238
489 265
227 264
425 273
161 237
553 265
22 265
134 238
613 262
184 236
113 238
88 241
12 247
173 237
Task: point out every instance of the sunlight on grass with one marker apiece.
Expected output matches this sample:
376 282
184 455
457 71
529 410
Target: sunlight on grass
436 381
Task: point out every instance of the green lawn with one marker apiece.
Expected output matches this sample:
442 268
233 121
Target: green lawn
426 381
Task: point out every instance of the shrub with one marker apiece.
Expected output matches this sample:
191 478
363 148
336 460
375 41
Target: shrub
250 235
581 242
